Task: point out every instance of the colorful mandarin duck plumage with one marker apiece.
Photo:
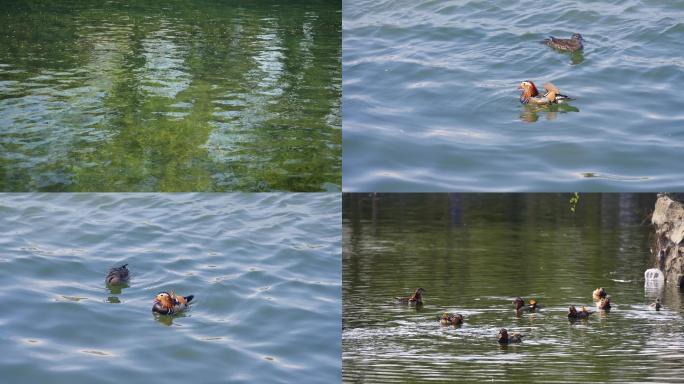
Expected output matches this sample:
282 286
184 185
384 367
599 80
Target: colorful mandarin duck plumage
604 304
574 43
451 319
169 303
503 337
520 306
599 293
656 306
530 94
117 275
574 314
416 298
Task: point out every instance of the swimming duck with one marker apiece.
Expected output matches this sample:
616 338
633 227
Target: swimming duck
117 275
169 303
530 95
574 314
599 293
451 319
656 306
416 298
574 43
604 304
505 339
520 306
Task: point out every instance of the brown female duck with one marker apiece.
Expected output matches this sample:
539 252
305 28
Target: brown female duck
117 275
574 43
416 298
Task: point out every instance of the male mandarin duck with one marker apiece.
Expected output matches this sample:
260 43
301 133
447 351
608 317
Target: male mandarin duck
505 339
599 293
604 303
169 303
117 275
572 44
520 306
656 306
451 319
530 95
416 298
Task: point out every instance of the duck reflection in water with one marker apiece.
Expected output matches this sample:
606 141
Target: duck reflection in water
531 113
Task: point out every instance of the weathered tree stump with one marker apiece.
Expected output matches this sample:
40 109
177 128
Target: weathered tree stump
668 219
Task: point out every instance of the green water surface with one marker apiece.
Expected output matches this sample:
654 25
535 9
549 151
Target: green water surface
170 96
473 254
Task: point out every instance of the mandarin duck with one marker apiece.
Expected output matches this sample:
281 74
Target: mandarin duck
574 43
530 94
169 303
599 293
451 319
416 298
520 306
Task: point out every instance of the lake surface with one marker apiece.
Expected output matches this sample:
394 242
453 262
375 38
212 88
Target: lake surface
264 269
430 98
473 254
189 96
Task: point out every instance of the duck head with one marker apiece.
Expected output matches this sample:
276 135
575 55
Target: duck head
533 304
519 303
165 299
578 37
503 335
419 292
528 90
600 293
572 311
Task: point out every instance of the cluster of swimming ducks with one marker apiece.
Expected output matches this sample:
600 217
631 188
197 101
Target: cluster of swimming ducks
165 303
599 295
530 94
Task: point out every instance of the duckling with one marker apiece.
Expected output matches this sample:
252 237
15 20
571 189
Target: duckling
503 337
169 303
520 306
416 298
451 319
117 275
604 304
530 95
656 306
599 293
574 314
574 43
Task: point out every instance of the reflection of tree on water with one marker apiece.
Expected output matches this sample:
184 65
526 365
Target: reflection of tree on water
240 97
531 113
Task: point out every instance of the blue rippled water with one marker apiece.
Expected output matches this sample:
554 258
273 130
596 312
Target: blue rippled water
430 99
264 269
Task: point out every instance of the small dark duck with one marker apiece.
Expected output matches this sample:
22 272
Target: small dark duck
574 314
117 275
574 43
169 303
505 339
451 319
530 94
416 298
599 293
656 306
520 306
604 304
